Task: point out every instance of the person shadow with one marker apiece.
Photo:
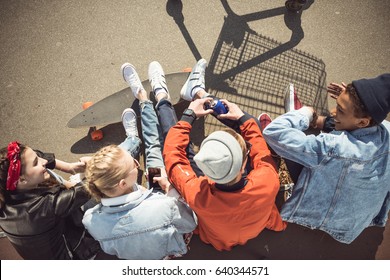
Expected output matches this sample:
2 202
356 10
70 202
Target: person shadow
295 243
236 29
253 70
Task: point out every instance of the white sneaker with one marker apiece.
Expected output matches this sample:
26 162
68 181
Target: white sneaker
195 81
157 79
291 100
264 120
130 75
129 121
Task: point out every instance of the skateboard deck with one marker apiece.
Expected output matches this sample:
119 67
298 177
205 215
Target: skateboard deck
109 109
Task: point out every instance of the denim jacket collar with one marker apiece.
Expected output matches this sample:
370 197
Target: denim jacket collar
358 133
364 131
129 200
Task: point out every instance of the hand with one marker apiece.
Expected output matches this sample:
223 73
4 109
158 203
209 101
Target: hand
314 122
77 167
334 90
163 180
68 184
320 122
85 159
332 112
198 107
234 112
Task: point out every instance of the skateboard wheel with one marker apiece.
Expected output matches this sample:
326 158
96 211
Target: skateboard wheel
97 135
87 104
187 70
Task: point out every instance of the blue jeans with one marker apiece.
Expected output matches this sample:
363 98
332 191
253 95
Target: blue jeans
167 116
151 134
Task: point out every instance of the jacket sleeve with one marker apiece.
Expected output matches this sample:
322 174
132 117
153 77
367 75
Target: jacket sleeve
50 157
260 154
286 137
185 219
381 218
66 201
263 167
178 167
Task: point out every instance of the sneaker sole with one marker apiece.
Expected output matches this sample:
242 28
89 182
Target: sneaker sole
124 65
128 110
261 122
184 87
289 103
292 101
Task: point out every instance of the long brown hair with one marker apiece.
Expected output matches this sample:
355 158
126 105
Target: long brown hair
4 166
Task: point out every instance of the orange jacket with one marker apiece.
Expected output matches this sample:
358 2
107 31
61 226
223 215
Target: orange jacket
226 219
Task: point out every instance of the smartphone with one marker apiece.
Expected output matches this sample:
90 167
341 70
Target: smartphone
154 172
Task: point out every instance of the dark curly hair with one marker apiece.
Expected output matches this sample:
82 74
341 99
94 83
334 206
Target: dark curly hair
360 110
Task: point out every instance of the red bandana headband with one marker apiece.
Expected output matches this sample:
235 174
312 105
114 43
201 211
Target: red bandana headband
13 156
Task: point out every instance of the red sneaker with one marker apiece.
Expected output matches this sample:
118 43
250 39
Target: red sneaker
264 120
291 100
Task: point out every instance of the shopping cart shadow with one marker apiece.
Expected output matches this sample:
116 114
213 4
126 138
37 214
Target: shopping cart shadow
253 70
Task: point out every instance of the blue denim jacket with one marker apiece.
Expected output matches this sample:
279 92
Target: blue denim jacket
147 226
345 183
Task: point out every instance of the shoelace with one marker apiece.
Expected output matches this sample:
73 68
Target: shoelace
131 126
158 81
135 83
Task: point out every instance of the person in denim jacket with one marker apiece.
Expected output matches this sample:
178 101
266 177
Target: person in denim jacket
131 221
343 187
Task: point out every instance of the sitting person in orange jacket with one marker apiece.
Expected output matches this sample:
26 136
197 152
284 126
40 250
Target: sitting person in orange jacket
232 204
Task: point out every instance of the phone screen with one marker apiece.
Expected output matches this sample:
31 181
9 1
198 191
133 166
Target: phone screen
154 172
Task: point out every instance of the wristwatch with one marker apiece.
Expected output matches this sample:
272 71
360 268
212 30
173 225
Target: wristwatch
190 113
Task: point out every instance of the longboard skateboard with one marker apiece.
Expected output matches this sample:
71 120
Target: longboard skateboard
109 109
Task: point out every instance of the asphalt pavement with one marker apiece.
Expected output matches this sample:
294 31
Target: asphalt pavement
55 55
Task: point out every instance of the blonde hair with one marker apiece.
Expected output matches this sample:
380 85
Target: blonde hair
244 149
104 171
240 141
